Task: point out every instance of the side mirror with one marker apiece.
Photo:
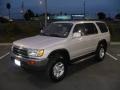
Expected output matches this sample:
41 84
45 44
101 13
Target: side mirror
77 34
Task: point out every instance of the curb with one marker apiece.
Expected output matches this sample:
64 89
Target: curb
115 43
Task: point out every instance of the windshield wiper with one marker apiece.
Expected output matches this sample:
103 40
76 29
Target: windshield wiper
54 35
44 34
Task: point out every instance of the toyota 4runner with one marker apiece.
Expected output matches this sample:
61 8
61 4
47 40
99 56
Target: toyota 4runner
60 44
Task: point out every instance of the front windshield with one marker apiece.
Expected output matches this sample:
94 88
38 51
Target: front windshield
57 30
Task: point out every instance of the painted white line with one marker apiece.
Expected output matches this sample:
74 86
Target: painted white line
118 55
1 57
112 56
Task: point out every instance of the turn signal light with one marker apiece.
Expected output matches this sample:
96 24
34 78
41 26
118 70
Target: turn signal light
31 62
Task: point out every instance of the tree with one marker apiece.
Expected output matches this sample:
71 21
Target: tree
29 14
109 19
36 15
101 15
8 6
61 13
65 14
117 16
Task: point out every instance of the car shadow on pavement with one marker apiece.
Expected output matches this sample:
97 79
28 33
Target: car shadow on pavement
74 68
40 80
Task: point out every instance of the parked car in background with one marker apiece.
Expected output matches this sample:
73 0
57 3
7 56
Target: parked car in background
5 20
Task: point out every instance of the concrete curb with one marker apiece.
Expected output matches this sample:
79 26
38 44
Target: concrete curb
7 44
115 43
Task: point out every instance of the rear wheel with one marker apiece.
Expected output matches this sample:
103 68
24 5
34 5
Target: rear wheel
56 69
100 52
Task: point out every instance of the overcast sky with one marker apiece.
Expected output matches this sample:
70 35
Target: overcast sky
110 7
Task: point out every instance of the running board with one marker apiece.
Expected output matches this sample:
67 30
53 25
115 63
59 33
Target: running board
83 58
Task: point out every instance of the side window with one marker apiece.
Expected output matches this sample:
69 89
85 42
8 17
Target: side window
78 27
90 28
102 27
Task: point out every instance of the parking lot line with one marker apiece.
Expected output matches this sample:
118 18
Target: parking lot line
1 57
112 56
118 55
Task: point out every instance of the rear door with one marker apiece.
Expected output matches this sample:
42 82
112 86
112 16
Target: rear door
87 43
90 37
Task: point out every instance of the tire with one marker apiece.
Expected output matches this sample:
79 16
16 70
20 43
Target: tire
100 52
56 68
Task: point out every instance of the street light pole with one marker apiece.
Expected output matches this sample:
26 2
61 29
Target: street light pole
9 14
46 13
8 6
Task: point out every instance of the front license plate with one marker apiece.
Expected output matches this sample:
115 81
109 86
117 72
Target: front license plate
17 62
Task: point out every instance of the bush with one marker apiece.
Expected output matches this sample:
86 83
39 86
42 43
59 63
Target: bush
16 30
114 30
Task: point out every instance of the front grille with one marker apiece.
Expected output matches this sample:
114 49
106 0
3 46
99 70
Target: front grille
20 52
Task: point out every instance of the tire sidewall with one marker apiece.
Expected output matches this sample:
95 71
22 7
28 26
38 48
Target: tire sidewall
101 46
52 62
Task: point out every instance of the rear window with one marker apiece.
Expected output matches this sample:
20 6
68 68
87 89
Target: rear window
102 27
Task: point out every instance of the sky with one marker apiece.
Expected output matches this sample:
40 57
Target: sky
110 7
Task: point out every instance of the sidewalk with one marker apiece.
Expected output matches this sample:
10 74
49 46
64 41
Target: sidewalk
7 44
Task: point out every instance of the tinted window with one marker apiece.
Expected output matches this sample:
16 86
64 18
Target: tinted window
57 30
102 27
90 28
78 27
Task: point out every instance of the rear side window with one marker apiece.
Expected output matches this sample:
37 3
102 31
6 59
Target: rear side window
102 27
90 28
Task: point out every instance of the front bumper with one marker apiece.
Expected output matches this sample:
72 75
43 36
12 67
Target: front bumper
39 64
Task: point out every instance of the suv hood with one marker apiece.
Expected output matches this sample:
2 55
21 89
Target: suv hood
38 42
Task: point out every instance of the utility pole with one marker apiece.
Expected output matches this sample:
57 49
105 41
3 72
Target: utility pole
84 6
22 8
46 13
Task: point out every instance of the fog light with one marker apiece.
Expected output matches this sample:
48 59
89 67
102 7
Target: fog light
31 62
17 62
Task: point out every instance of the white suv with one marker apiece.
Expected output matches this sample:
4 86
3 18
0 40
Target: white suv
60 44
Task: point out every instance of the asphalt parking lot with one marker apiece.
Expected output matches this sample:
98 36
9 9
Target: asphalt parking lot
87 75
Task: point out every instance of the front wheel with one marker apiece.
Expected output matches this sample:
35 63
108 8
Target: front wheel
56 69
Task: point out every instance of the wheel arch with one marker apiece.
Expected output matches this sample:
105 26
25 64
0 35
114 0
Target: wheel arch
104 42
62 52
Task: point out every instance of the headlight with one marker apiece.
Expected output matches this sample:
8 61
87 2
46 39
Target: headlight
35 52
